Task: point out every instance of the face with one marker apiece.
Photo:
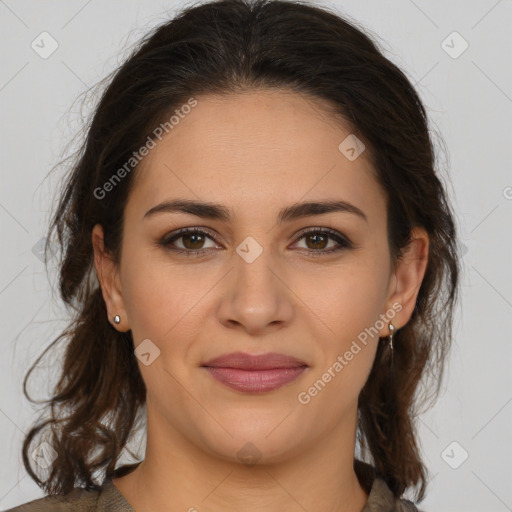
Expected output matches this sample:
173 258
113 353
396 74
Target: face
316 288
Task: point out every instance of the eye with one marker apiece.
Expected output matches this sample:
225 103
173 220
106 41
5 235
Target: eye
319 240
193 239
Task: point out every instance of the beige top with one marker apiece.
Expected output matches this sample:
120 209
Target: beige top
109 499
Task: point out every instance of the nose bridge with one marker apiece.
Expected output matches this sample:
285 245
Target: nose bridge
257 297
253 277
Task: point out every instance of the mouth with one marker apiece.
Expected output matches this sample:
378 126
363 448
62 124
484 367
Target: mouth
255 373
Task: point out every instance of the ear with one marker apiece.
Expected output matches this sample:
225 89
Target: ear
108 276
407 278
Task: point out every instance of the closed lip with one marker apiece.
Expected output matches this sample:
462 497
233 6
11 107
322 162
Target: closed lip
244 361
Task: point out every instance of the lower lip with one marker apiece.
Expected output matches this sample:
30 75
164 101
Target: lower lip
255 381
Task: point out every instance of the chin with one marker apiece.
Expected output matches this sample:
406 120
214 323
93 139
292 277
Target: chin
266 442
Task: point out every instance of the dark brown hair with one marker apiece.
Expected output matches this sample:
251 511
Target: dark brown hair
225 47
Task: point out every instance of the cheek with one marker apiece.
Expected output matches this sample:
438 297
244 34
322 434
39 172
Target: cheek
349 305
347 349
155 295
159 305
350 299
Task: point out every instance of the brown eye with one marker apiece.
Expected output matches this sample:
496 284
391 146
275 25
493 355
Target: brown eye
192 242
317 241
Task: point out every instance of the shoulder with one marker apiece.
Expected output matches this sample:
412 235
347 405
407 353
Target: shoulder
380 497
105 498
78 500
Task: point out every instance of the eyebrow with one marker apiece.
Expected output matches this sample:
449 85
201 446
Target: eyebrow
219 212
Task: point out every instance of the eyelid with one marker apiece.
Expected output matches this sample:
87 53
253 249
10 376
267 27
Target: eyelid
324 229
185 231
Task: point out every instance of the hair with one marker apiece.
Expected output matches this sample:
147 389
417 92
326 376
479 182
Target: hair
227 47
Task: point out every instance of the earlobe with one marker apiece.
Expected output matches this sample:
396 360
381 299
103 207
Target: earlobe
108 277
409 275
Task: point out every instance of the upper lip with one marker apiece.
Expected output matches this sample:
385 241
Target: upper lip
243 361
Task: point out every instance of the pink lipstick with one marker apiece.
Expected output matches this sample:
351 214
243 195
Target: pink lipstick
255 373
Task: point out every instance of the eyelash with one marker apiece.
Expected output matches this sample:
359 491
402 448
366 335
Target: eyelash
343 242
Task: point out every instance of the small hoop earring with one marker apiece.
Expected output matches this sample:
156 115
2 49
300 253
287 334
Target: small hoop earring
117 319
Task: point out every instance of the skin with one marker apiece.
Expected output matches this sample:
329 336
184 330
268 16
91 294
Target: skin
282 150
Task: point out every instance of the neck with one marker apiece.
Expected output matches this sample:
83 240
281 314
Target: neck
176 476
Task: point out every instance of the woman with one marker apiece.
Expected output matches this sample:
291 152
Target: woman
263 265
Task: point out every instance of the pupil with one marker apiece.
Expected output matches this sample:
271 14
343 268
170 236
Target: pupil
316 237
192 236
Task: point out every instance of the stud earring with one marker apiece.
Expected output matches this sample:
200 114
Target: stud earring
117 319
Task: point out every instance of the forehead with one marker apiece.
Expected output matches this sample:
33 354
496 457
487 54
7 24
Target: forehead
255 149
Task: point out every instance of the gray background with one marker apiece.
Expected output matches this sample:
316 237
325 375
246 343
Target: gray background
469 99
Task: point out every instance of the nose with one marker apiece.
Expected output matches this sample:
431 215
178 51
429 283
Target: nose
256 297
